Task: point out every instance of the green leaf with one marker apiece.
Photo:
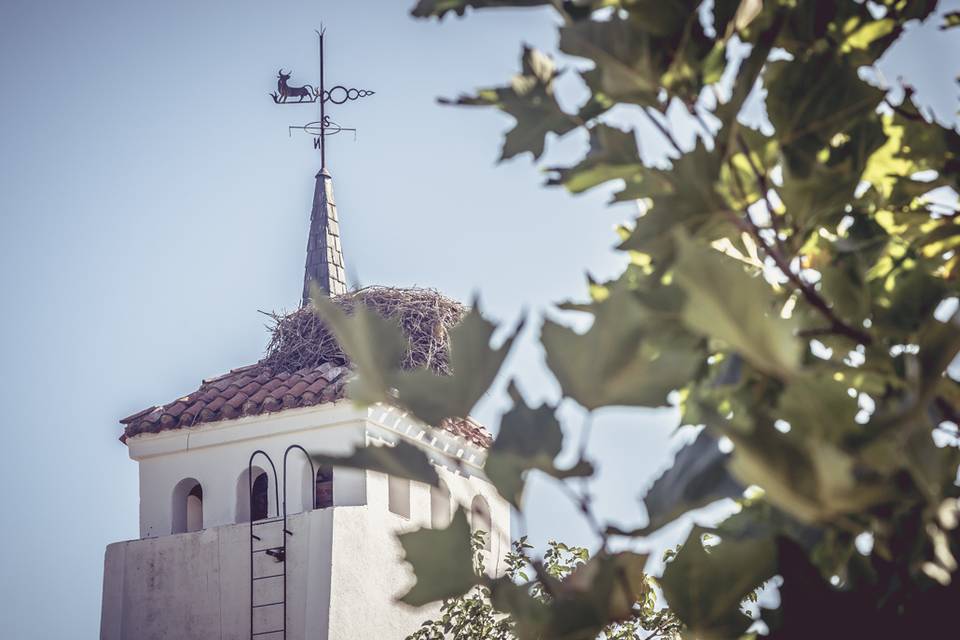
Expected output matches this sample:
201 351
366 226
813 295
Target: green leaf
927 144
402 460
597 593
442 561
375 347
433 398
622 359
848 28
916 295
950 20
684 197
608 584
439 8
629 59
705 588
813 190
531 616
743 84
697 477
939 345
529 99
574 10
747 11
529 438
725 303
613 154
816 403
809 102
810 478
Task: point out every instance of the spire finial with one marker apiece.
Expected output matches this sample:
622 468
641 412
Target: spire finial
324 267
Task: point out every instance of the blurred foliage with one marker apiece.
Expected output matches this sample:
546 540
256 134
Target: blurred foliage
791 288
531 593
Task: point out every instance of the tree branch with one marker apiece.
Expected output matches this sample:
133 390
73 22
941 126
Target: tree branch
810 294
662 129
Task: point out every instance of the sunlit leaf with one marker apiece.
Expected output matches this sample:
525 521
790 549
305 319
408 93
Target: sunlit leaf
530 100
402 460
697 477
437 580
439 8
619 361
628 60
726 303
434 398
834 99
613 154
818 404
529 438
950 20
705 587
375 347
684 197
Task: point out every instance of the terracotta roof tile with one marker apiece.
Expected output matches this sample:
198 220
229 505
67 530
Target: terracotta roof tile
175 409
260 394
298 388
316 386
229 412
277 392
237 400
255 390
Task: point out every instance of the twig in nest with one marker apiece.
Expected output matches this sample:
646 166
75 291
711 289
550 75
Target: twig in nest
300 340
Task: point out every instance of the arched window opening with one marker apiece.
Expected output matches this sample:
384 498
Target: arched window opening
480 519
195 508
261 499
440 506
187 506
324 486
398 499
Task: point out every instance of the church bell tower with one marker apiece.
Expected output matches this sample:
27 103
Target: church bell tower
242 535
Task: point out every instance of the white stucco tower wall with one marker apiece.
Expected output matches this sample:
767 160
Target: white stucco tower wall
343 563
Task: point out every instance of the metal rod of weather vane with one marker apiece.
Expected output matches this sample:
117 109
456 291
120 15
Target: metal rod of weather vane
323 118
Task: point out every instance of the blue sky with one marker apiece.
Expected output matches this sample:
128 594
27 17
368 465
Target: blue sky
151 202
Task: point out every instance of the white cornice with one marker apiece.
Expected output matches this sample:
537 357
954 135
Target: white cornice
376 418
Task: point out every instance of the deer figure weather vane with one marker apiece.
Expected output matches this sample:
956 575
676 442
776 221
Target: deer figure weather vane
307 94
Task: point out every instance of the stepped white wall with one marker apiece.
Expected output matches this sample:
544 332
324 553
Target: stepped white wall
344 567
343 571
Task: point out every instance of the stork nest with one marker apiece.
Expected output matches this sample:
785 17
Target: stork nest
301 340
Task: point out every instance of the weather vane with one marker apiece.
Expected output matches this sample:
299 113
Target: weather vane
307 94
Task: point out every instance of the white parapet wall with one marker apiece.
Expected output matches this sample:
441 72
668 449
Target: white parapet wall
343 575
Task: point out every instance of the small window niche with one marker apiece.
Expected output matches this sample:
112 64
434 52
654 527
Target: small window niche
187 506
253 503
260 498
398 499
324 487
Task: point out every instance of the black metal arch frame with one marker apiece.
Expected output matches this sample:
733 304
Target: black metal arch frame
253 536
279 553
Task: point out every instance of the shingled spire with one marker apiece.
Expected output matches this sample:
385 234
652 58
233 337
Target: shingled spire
324 268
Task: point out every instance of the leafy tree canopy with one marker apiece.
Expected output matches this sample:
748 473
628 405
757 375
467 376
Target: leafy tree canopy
563 571
791 288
